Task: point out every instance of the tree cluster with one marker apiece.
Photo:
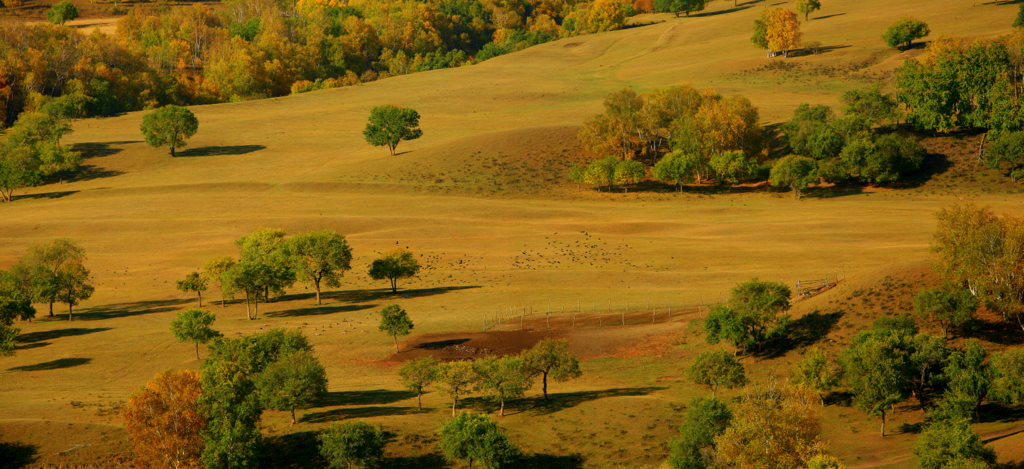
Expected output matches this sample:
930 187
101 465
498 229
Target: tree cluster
755 314
31 150
778 31
48 273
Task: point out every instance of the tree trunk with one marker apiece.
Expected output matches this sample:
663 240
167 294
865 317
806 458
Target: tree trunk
883 423
256 309
455 402
293 416
197 350
796 193
316 284
70 307
51 308
501 412
981 147
419 400
200 298
172 150
545 386
396 344
394 285
247 312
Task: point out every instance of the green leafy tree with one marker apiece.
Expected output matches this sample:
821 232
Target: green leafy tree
15 303
811 132
62 12
476 439
577 174
1008 375
46 264
628 172
716 368
950 443
679 6
947 305
389 125
194 282
678 167
881 159
217 270
807 6
395 322
877 368
1006 151
419 373
929 356
793 171
32 150
968 374
293 381
455 379
397 264
265 267
705 419
503 378
825 461
1018 22
816 372
756 312
352 445
169 125
872 104
733 166
904 31
601 173
193 325
551 358
321 256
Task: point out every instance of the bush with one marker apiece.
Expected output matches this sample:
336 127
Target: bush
62 12
352 445
1007 151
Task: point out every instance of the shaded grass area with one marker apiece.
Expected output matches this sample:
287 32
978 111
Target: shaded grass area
58 364
16 454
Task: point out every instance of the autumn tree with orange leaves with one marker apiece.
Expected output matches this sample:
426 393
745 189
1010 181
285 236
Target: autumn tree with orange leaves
164 422
777 30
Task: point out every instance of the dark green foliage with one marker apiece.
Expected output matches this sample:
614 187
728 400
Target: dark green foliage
170 125
716 368
551 358
476 439
320 257
968 374
293 381
395 322
878 369
705 419
678 6
193 325
62 12
733 166
352 445
32 150
795 172
871 104
502 377
419 373
1008 371
678 167
612 170
15 303
809 134
194 282
388 125
265 267
948 305
246 30
882 159
755 313
816 372
904 31
394 265
1006 151
1018 22
948 443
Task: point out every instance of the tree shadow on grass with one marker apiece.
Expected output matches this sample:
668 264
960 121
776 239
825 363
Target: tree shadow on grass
562 401
838 190
371 295
218 151
317 310
16 454
996 412
548 461
38 339
291 450
933 165
45 195
739 7
803 332
53 364
825 17
819 50
356 412
120 310
997 332
424 461
374 397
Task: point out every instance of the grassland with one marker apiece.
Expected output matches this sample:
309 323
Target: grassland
482 198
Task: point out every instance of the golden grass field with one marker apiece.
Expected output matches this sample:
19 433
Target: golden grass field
484 199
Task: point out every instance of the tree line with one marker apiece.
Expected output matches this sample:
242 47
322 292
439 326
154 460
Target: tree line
262 48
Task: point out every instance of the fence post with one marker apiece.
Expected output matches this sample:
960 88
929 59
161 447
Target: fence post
624 314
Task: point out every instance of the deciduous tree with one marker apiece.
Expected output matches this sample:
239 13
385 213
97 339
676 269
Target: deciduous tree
217 271
807 6
476 439
62 12
395 265
877 368
352 445
193 325
455 379
948 305
793 171
395 322
169 125
717 368
904 31
816 372
321 256
194 282
756 312
777 30
165 423
1008 373
293 381
694 448
551 358
388 125
968 374
419 373
503 378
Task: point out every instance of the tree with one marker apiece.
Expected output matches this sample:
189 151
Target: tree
321 256
1006 150
503 378
795 172
678 167
602 172
811 132
169 125
904 31
476 438
45 264
577 174
968 375
456 378
877 369
389 125
947 305
194 282
164 421
676 6
733 166
394 265
881 159
217 271
265 267
1008 372
193 325
551 358
15 303
419 373
293 381
352 445
929 356
32 151
777 30
717 368
872 104
628 172
774 425
755 313
825 461
395 322
62 12
1018 22
807 6
948 443
705 419
816 372
72 286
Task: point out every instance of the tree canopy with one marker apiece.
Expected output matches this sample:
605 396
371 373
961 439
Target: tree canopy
904 31
165 423
551 358
755 313
795 172
193 325
62 12
716 368
292 381
196 283
352 445
169 125
394 265
321 257
476 439
388 125
395 322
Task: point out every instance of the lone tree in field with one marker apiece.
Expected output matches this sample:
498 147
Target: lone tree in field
395 322
62 12
795 172
194 282
418 374
321 256
756 312
904 31
816 372
193 325
170 125
394 265
293 381
551 358
777 30
503 378
947 306
164 421
389 125
73 286
476 439
807 6
455 379
717 368
352 445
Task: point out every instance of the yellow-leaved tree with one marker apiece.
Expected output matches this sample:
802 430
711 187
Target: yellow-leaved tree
165 423
777 30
